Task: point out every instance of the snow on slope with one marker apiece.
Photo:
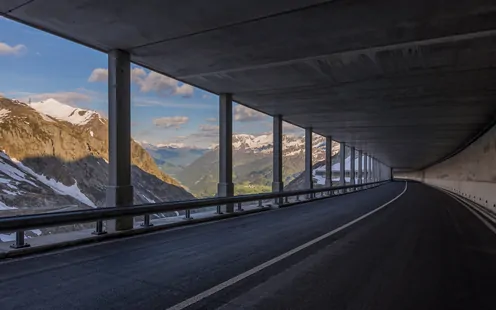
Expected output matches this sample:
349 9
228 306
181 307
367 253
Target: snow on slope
58 187
13 172
63 112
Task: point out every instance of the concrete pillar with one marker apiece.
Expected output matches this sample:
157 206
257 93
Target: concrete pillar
328 159
277 181
365 169
369 164
360 167
119 190
342 161
225 187
352 166
308 159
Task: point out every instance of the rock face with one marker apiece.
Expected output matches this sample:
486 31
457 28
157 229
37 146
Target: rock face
55 156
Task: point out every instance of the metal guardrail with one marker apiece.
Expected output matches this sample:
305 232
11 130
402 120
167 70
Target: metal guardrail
21 223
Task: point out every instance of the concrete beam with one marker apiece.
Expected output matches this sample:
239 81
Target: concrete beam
119 190
328 161
308 159
225 187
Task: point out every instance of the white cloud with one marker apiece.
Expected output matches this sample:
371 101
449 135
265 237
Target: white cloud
209 128
71 98
98 75
184 90
145 102
212 120
151 82
245 114
6 49
171 122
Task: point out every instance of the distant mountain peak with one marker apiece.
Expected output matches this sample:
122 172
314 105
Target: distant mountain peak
64 112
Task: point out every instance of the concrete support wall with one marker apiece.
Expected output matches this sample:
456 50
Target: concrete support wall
308 159
119 190
471 173
225 187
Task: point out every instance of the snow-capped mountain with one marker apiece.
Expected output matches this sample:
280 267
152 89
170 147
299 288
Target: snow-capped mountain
63 112
252 161
291 145
57 159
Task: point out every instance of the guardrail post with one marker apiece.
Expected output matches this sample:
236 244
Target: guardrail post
219 210
19 241
146 221
298 198
187 215
99 229
240 209
260 204
286 200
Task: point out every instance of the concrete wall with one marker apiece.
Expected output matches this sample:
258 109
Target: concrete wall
471 173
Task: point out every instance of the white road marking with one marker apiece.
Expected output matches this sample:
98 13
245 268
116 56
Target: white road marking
190 301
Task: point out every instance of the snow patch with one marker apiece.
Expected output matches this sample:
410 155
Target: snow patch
10 193
91 133
14 173
148 199
4 113
63 111
7 237
3 206
58 187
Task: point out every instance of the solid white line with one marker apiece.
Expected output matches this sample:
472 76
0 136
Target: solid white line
470 208
190 301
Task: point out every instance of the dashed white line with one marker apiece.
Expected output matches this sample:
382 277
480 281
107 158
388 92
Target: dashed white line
190 301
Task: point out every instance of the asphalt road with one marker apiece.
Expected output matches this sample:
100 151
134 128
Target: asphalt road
423 251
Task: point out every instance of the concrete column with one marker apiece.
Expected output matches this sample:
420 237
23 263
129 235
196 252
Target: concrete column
369 164
277 182
328 159
352 166
365 168
119 190
342 161
225 187
308 159
360 167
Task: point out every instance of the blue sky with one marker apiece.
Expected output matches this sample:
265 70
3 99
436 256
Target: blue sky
38 65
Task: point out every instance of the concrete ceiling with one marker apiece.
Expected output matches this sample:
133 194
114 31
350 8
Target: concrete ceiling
409 82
